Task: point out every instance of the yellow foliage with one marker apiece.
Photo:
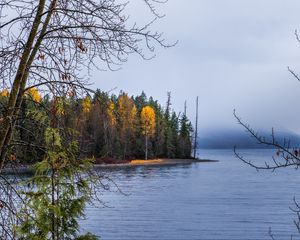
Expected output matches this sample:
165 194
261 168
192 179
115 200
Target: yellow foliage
110 113
133 112
148 120
34 94
4 92
127 112
86 104
59 106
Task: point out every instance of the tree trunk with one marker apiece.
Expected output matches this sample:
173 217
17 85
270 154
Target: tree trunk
196 131
146 146
53 203
19 84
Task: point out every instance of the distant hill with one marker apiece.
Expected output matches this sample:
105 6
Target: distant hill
229 138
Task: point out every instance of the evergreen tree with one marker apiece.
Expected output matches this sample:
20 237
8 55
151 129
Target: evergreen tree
60 191
140 101
108 126
185 143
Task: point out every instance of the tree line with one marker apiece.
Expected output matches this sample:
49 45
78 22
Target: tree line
56 43
107 126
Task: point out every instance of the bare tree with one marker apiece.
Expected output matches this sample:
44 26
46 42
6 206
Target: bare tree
51 43
285 155
196 130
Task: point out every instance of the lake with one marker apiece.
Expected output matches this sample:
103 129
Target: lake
201 201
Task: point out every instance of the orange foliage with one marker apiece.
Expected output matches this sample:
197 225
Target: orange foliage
138 162
148 120
34 94
4 92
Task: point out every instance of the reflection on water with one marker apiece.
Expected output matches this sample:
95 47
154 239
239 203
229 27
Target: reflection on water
222 200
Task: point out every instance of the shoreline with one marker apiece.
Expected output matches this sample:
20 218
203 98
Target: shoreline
155 162
27 169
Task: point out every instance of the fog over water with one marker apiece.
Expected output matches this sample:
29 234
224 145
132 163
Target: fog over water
233 54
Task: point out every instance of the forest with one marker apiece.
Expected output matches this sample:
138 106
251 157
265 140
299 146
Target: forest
50 120
106 126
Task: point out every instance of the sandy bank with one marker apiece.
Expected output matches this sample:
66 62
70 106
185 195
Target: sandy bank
156 162
24 169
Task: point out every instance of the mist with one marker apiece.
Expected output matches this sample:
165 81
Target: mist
232 54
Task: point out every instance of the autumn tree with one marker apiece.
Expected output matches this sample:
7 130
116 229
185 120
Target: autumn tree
52 45
4 92
148 125
86 105
34 94
110 127
48 44
127 118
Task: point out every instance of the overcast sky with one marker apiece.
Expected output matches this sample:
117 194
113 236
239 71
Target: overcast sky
233 54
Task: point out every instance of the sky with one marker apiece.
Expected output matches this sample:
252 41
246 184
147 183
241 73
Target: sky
233 54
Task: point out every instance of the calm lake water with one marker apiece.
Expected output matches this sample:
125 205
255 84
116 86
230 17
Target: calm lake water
222 200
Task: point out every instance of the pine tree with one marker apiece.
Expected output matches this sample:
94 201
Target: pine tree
185 144
169 126
59 193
